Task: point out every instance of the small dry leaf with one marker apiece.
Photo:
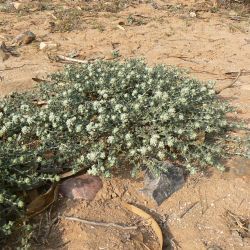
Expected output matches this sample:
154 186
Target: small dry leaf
151 222
67 174
36 79
40 203
70 173
41 103
201 137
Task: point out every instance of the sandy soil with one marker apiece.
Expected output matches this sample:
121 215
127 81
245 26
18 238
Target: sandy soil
213 45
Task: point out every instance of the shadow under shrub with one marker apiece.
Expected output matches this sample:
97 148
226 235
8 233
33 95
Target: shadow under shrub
97 116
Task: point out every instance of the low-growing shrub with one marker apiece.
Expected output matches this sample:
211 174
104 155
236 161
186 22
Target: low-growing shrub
98 116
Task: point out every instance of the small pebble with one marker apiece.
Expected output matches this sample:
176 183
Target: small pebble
18 6
24 38
81 187
192 14
47 46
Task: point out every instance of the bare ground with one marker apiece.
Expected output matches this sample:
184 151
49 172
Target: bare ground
213 45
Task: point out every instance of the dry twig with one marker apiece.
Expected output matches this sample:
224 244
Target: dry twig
65 58
17 67
188 209
174 244
184 58
102 224
238 223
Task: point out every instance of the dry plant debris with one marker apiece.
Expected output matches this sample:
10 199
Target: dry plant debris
238 223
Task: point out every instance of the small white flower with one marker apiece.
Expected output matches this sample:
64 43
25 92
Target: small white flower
78 128
24 107
128 136
81 108
183 100
140 97
93 171
158 94
208 158
184 91
161 144
2 131
211 92
170 142
101 118
92 156
154 140
223 123
51 116
111 160
193 135
161 155
101 109
136 106
165 96
185 149
115 130
197 125
90 127
118 107
134 93
132 152
110 139
143 150
102 155
164 116
181 116
29 120
8 125
21 159
39 159
65 103
124 117
25 130
180 131
81 159
69 123
171 110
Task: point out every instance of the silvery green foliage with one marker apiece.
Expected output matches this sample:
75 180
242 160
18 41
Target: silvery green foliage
99 116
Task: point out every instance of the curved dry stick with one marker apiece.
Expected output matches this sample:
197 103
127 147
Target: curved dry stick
152 223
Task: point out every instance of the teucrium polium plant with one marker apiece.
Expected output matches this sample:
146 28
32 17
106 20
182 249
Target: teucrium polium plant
98 116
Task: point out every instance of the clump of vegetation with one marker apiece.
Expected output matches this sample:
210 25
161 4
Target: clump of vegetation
68 20
98 116
112 6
